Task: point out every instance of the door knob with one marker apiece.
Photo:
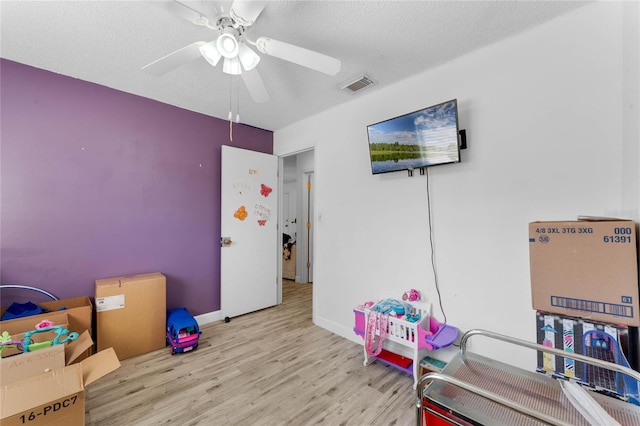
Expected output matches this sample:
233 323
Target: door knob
225 241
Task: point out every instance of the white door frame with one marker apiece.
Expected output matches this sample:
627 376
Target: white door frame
300 220
308 233
280 224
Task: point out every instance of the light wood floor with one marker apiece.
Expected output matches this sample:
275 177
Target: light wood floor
272 367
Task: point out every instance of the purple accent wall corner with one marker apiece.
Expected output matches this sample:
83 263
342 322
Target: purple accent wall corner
99 183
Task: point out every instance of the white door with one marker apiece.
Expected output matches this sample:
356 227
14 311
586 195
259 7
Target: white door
249 252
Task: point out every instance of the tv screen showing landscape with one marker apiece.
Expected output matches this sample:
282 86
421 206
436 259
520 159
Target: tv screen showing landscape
423 138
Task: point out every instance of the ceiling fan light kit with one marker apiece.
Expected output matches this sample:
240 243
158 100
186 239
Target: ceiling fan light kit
231 66
210 52
248 57
227 44
231 44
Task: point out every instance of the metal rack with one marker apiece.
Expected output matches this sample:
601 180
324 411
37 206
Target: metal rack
474 390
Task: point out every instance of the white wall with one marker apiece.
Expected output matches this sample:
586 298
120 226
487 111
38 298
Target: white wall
547 120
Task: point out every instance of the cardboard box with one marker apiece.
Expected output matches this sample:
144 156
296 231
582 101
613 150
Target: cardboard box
35 338
131 314
605 342
54 398
586 269
17 327
21 325
78 309
77 313
31 364
20 367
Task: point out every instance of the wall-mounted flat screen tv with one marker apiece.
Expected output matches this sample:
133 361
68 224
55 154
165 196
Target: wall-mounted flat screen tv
423 138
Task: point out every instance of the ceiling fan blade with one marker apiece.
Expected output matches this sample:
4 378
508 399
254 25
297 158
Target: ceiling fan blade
246 12
299 55
255 86
175 59
183 11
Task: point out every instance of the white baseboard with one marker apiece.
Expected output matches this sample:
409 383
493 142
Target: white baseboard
331 326
338 329
208 318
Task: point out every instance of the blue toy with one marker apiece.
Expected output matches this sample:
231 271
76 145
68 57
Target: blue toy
183 332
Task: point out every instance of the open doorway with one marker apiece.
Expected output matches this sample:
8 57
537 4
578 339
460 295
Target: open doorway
297 217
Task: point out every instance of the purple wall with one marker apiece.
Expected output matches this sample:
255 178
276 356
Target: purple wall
99 183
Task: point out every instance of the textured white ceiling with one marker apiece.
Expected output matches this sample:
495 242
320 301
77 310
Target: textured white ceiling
107 42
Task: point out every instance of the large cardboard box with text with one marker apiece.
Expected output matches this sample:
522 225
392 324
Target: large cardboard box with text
46 387
131 314
586 269
30 364
16 328
78 310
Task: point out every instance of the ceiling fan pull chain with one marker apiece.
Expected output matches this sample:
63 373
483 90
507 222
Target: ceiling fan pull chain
237 101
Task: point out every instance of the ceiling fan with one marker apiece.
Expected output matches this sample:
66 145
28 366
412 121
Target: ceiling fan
232 46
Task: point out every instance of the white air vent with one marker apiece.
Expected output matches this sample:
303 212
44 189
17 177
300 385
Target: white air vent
358 83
